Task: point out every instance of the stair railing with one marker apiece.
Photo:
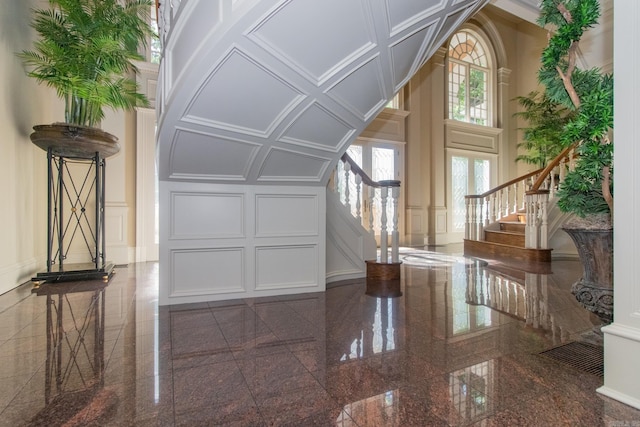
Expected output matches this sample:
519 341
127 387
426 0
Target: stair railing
529 193
166 11
354 185
541 192
496 204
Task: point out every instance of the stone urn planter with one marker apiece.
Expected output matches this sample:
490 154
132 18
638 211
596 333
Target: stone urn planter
593 237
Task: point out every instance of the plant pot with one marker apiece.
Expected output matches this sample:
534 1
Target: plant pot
593 237
67 140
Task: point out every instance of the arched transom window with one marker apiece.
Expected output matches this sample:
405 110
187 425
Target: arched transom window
469 81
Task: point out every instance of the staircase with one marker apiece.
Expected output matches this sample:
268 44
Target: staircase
507 241
512 221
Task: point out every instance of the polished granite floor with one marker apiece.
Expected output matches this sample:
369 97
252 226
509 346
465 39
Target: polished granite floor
461 346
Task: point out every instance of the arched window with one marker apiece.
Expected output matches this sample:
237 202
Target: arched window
469 79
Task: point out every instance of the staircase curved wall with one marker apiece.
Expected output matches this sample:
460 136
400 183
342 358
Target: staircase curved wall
270 94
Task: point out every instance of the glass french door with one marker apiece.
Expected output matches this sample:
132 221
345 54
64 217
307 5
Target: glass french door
469 173
381 161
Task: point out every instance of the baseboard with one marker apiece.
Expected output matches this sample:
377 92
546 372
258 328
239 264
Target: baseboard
621 369
345 275
15 274
620 397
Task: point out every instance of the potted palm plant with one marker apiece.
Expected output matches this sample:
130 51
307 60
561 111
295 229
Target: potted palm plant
85 51
587 190
546 120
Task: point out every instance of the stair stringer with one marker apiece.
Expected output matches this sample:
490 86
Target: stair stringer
349 244
563 246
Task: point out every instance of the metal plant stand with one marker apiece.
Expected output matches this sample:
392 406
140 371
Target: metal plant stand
75 201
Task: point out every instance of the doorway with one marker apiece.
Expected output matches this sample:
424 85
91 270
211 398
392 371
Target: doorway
469 173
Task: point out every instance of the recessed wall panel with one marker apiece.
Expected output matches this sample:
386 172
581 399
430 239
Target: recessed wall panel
282 267
286 215
207 216
207 271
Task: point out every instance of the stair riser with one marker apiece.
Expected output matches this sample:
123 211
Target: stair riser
504 238
513 227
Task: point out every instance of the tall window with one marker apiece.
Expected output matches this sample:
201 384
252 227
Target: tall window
469 71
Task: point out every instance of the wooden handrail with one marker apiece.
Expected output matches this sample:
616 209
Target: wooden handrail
546 171
365 178
501 186
358 171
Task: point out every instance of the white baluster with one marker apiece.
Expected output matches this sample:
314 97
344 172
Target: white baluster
384 250
529 226
467 218
500 197
372 197
358 205
479 219
486 207
395 235
544 230
506 204
515 198
347 169
493 207
474 221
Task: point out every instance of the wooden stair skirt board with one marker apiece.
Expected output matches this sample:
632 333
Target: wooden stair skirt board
493 250
383 279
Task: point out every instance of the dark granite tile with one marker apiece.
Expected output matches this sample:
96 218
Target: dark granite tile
209 385
310 402
240 415
192 319
198 341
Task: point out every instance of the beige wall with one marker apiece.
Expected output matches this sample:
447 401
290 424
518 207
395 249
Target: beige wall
23 168
22 165
518 44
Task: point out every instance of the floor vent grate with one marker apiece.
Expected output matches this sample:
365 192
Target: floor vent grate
585 357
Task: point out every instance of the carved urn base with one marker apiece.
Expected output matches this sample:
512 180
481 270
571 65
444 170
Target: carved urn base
593 237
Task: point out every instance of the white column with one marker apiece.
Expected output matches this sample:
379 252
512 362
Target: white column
622 337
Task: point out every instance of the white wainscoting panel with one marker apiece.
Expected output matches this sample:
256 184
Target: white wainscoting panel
286 267
286 214
115 219
198 272
220 241
207 215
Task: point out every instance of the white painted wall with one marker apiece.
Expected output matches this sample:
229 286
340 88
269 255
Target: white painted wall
622 337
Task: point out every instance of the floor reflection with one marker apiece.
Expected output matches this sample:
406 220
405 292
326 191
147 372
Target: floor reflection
459 347
74 367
